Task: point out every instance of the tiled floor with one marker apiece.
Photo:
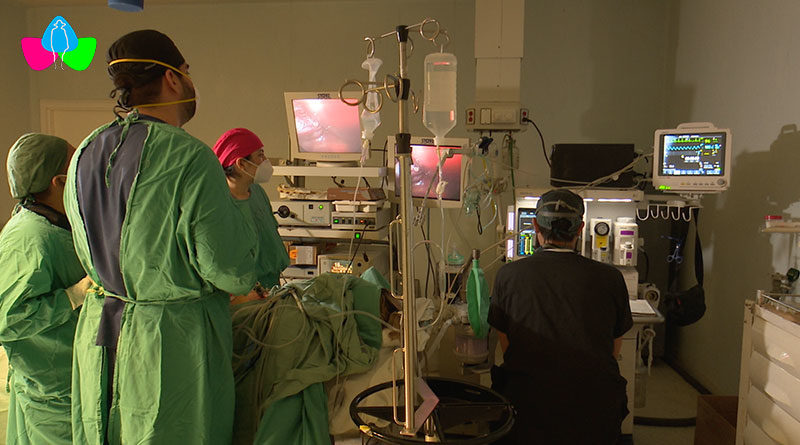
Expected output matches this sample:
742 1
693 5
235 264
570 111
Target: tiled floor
668 396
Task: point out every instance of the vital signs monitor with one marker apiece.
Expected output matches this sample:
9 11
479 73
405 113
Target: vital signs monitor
693 158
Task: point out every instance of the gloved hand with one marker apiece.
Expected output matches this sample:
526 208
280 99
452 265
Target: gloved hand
239 299
257 293
77 292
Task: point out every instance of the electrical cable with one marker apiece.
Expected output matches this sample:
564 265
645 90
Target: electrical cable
352 258
428 251
355 252
428 243
611 176
429 270
647 266
666 422
510 140
541 137
478 214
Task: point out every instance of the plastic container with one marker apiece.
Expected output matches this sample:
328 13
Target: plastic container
439 108
468 348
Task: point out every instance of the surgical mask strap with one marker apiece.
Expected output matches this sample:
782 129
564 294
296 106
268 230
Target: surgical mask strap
164 104
157 62
166 65
251 163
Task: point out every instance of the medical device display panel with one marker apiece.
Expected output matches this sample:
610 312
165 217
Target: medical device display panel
526 240
322 127
424 174
692 159
701 154
425 178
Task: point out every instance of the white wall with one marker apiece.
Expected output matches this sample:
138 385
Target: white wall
737 65
14 92
593 71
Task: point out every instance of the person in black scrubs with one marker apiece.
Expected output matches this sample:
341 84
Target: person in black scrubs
560 318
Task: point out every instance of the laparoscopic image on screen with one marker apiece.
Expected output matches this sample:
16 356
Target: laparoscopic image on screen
326 126
423 171
693 154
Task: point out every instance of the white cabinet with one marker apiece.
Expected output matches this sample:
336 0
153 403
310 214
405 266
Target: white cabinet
769 385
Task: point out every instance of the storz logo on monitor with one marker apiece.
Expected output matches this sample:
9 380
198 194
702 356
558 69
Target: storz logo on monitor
427 140
323 96
58 41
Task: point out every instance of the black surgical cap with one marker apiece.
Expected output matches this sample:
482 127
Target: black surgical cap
143 44
560 205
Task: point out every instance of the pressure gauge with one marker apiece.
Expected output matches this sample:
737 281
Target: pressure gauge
602 229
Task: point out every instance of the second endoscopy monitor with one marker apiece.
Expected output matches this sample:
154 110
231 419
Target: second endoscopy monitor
424 175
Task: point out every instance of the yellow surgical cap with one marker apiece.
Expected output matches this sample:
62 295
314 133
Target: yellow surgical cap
32 163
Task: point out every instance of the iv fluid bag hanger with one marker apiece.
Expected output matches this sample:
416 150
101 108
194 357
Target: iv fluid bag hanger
439 108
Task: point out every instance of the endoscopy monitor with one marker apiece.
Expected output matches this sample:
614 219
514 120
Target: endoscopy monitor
694 157
322 127
424 175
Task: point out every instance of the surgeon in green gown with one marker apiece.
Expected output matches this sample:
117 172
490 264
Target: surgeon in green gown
241 154
41 284
156 228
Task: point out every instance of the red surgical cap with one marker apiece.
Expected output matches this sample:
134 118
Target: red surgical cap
235 144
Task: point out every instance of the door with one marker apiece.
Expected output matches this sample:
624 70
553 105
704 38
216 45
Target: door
74 120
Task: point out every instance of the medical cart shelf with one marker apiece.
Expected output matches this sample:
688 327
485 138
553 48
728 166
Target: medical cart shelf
781 230
338 234
351 172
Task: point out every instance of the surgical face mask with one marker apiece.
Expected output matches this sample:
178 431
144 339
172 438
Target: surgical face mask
263 171
190 107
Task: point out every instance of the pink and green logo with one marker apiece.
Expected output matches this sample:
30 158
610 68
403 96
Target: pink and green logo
59 41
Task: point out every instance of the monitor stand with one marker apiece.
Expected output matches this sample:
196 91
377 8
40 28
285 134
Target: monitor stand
337 164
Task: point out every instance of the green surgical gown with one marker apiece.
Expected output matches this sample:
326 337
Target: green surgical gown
37 325
271 256
184 248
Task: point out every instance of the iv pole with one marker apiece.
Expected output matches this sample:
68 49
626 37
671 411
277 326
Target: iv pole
413 420
479 404
403 154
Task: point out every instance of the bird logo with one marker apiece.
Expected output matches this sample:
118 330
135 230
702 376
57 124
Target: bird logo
59 42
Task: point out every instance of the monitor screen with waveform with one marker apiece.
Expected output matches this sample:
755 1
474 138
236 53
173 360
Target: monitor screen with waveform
690 154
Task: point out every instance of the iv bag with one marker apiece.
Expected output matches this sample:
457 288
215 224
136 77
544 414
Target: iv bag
439 108
371 121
